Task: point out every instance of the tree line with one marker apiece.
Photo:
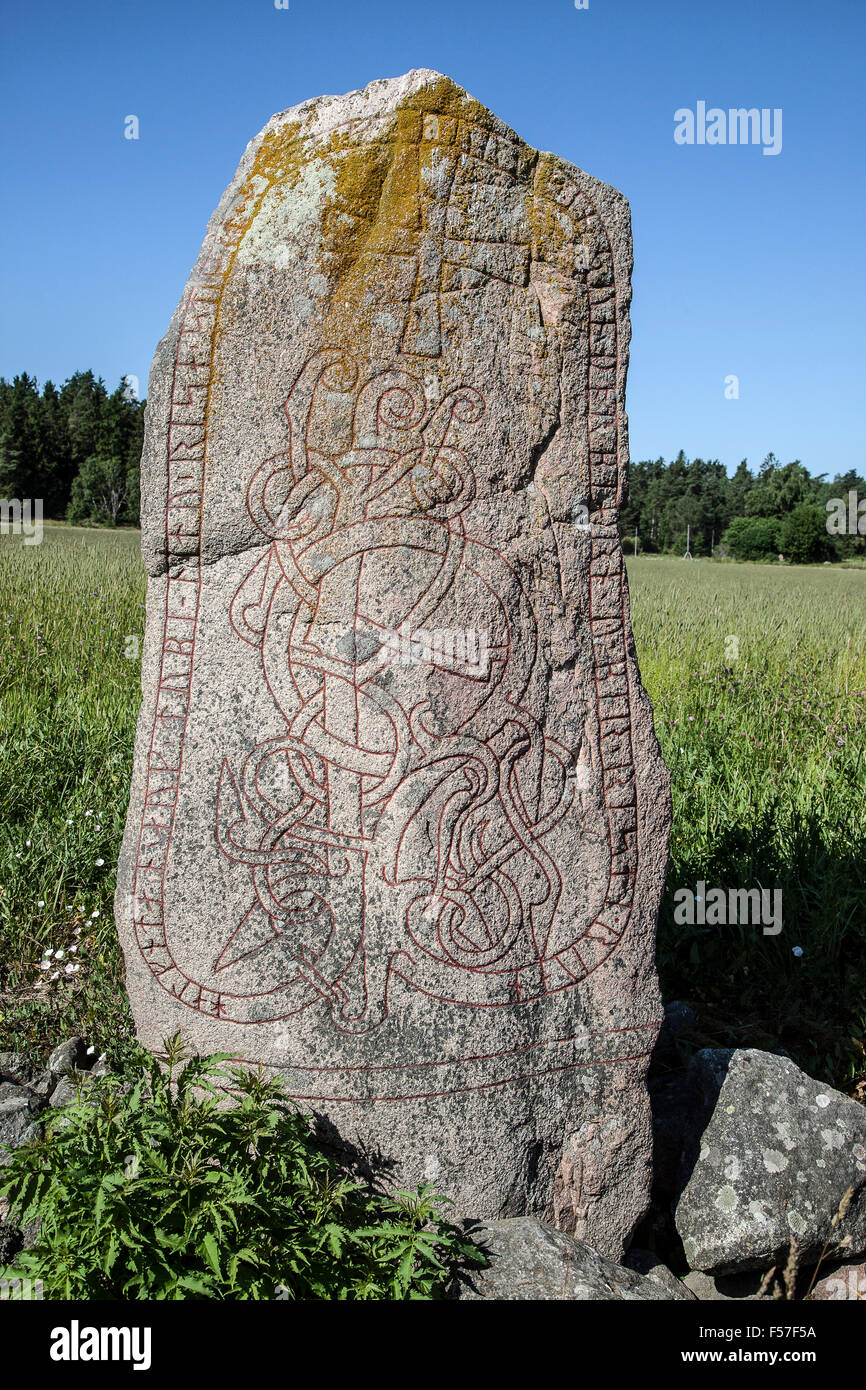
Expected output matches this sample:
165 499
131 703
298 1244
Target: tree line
77 447
780 509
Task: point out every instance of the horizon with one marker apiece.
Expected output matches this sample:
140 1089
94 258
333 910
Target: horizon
701 457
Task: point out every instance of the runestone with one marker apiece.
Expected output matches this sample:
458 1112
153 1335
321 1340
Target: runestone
398 823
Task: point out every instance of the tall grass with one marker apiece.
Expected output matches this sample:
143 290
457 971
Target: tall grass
68 701
764 737
758 679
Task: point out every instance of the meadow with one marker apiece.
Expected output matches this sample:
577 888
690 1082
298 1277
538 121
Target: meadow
758 679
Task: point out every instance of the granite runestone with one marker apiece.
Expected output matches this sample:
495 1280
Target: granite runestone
398 822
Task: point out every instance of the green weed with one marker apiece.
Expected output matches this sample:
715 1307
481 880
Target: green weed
149 1186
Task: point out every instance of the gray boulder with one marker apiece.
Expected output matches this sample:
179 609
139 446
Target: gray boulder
649 1264
44 1084
68 1056
770 1157
12 1238
10 1242
727 1288
70 1088
17 1066
531 1261
679 1018
674 1120
18 1119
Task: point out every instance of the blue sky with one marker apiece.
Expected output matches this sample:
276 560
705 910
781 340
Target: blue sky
745 263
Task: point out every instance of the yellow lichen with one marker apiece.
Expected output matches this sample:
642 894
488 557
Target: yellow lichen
375 204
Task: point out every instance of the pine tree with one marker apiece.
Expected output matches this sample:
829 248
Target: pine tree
48 441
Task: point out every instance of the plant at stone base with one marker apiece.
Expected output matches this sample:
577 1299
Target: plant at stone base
149 1185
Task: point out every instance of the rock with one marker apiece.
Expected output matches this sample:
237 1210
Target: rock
398 822
11 1241
703 1287
70 1055
646 1262
44 1084
845 1283
726 1288
12 1238
69 1088
18 1122
17 1066
770 1157
530 1260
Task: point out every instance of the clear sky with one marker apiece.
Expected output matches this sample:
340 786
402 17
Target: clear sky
746 264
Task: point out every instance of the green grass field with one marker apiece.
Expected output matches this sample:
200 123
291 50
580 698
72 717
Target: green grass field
766 751
758 677
68 703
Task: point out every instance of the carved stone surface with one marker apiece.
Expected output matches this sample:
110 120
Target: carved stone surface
399 821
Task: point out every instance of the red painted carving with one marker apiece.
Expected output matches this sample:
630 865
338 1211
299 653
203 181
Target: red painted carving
425 829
